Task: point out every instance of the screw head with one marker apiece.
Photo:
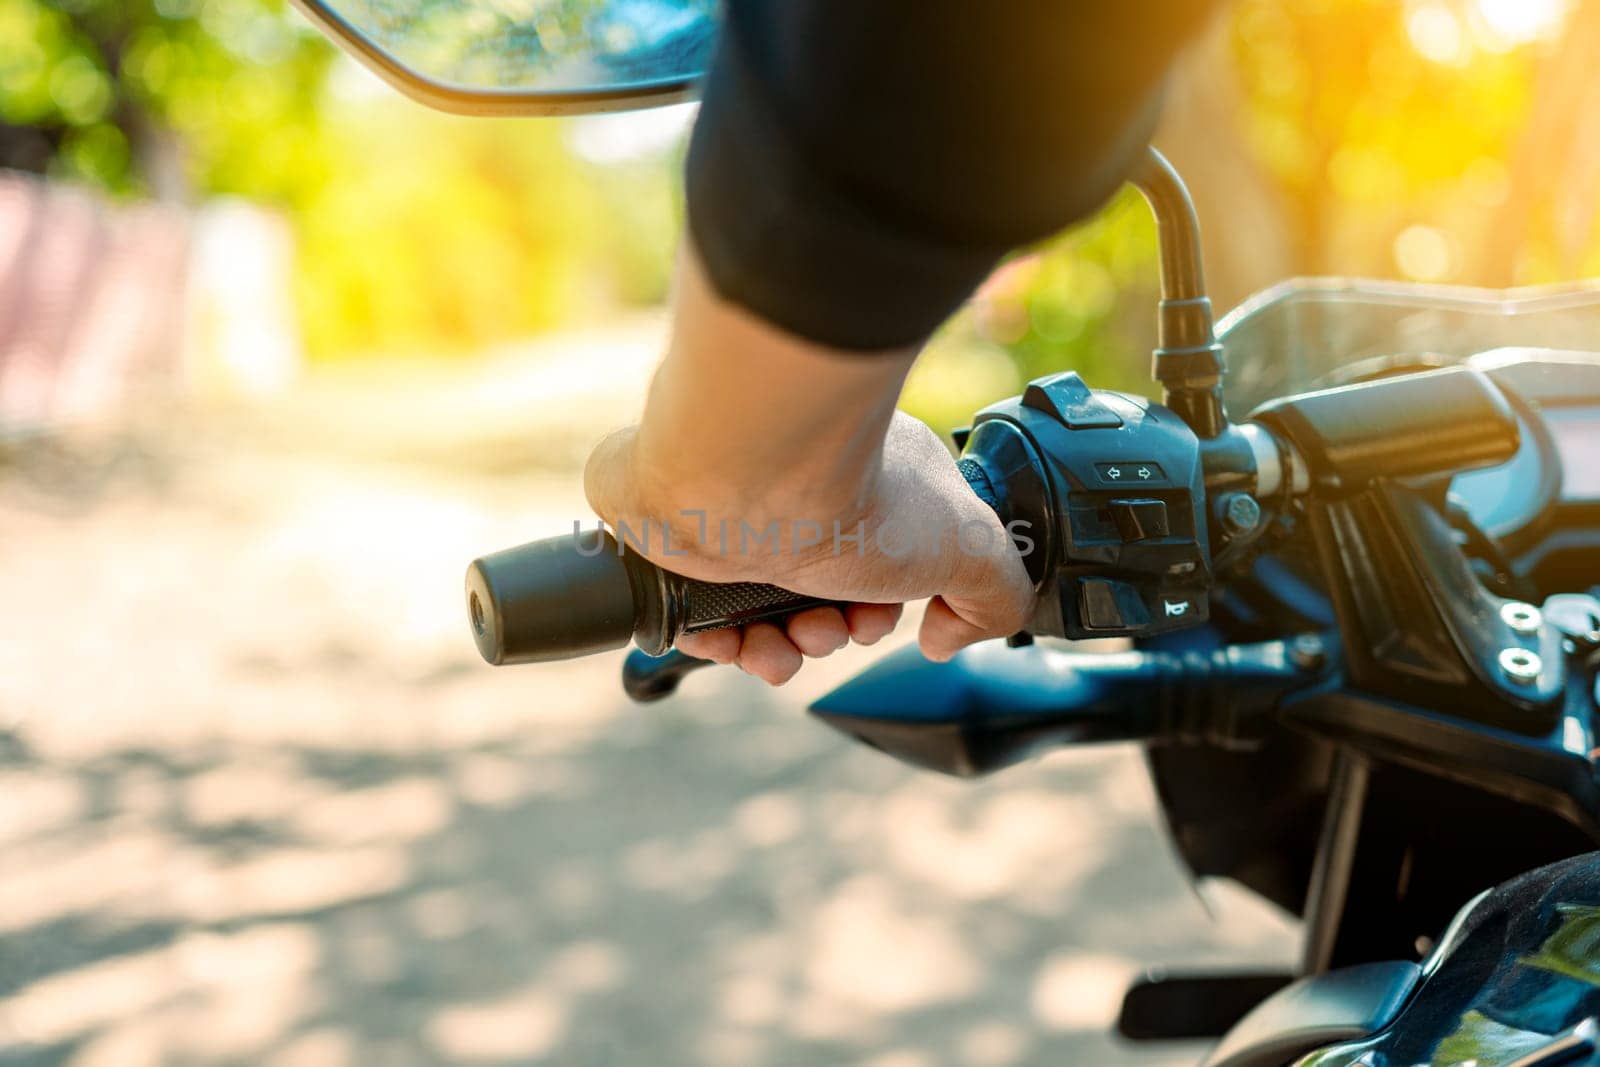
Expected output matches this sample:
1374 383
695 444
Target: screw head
1521 665
1308 652
1524 619
1240 513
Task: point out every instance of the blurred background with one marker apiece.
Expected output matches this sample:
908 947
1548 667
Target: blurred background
280 352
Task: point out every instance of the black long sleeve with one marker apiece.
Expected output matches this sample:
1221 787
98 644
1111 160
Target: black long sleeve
859 166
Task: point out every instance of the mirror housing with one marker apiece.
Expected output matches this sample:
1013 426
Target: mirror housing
573 57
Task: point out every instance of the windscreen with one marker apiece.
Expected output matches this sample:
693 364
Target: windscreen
1299 335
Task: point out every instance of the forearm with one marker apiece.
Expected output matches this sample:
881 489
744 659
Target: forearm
748 423
756 429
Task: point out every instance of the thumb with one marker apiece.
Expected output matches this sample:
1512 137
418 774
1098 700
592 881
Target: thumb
608 480
999 607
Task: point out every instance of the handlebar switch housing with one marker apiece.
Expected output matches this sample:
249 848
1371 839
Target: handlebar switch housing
1112 491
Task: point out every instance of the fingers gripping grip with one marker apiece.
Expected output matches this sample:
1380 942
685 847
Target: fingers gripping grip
714 605
579 594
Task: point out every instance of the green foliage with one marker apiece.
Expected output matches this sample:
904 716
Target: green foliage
1081 301
1084 300
641 223
105 81
443 233
415 231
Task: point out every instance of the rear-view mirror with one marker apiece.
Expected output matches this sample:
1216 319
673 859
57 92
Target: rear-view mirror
527 57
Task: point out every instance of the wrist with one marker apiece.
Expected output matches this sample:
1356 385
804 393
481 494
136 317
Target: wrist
747 426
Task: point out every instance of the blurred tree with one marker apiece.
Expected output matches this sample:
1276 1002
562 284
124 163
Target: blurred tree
1548 210
162 96
1430 140
1436 140
443 233
416 232
1245 230
1374 118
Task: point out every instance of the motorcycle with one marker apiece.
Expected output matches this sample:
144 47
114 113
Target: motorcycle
1361 623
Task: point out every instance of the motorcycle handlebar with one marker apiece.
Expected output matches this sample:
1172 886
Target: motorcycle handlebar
574 595
579 594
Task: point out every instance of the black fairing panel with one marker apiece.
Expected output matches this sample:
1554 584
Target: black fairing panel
1521 972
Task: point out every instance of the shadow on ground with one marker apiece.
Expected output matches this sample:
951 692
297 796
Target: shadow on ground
732 888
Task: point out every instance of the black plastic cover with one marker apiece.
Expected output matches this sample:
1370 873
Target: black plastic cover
1416 424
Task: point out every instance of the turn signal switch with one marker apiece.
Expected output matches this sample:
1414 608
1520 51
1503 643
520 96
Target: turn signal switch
1123 551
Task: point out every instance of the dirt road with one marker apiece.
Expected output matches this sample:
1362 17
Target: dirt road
261 804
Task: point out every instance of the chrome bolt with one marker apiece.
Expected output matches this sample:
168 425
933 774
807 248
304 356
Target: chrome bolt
1240 513
1524 619
1520 665
1308 652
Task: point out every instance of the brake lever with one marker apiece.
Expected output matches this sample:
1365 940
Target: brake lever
647 678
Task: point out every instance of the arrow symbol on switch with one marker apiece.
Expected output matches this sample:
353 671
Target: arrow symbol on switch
1144 472
1113 472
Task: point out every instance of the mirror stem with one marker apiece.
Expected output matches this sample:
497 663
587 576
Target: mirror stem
1188 359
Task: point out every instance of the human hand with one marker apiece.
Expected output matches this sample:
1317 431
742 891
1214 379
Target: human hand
753 427
912 528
